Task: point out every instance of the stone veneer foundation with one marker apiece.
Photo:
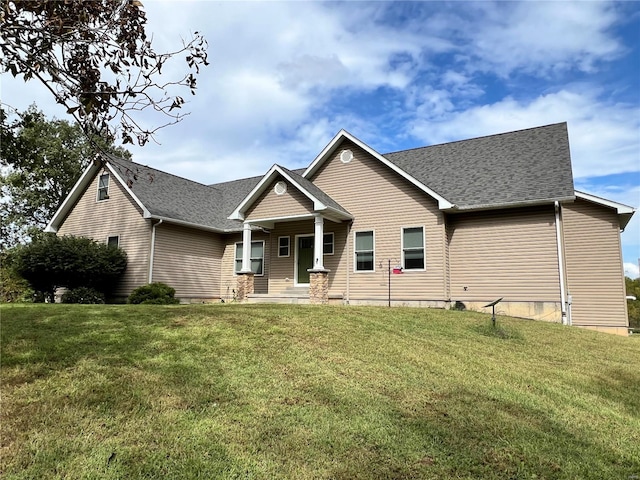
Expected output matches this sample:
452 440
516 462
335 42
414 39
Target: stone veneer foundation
245 286
319 287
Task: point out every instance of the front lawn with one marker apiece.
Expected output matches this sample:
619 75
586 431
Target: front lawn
267 392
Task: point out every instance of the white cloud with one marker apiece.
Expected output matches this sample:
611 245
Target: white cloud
603 135
543 38
277 68
631 270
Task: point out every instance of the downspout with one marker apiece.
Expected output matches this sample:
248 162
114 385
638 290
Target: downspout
561 265
153 249
349 256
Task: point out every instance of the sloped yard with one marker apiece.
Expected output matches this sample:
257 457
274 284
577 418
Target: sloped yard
267 392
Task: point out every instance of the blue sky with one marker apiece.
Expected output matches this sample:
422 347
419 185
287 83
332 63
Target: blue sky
285 77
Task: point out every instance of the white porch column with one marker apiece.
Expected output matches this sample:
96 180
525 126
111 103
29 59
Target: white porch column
246 248
318 244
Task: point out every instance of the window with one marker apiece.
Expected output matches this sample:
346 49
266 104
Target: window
113 241
364 251
103 187
283 246
256 256
327 244
413 248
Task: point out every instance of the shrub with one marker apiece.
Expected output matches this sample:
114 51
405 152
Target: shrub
633 306
84 295
13 288
154 293
51 262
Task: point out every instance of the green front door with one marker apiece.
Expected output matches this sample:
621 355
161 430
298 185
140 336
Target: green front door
305 259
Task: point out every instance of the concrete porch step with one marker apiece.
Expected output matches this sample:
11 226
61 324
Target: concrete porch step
287 296
278 298
296 290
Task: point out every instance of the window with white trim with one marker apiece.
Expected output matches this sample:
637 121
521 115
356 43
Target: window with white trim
413 248
103 187
113 241
256 256
327 244
284 244
364 251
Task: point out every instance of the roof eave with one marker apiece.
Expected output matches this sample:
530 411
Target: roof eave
73 196
260 188
625 212
503 206
184 223
145 212
334 214
238 213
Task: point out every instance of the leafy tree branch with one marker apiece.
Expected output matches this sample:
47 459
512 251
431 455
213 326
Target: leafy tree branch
40 161
96 60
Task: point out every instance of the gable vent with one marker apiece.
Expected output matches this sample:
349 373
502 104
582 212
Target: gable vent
280 188
346 156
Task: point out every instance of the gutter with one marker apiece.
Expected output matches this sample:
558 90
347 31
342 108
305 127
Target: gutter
197 226
565 320
153 248
504 206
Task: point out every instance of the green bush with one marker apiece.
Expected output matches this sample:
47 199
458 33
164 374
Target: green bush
51 262
84 295
13 288
154 293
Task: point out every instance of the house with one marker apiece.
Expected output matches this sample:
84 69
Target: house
462 223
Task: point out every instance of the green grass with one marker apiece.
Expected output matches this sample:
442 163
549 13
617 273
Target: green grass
268 392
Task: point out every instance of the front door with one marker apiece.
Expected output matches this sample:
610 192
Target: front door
304 260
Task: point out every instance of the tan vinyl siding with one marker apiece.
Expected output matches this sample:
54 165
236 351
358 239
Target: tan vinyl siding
270 205
117 216
188 260
504 253
228 279
381 200
593 258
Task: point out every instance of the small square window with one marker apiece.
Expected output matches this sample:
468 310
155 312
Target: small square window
113 241
103 187
283 246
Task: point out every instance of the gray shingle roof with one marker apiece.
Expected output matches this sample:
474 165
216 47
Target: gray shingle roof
169 196
314 190
526 166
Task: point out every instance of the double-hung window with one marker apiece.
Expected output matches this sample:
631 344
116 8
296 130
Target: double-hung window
364 251
413 248
327 244
256 256
103 187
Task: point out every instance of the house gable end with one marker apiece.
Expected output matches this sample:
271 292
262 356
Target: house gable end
320 202
80 189
280 197
625 212
343 136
